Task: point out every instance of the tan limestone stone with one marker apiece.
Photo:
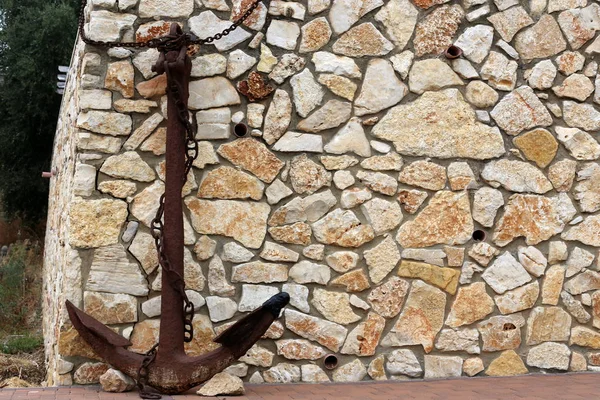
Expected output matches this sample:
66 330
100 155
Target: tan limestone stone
96 223
378 182
435 32
222 384
472 366
510 21
153 88
578 362
424 174
553 283
339 85
315 35
245 222
544 39
507 364
362 40
387 299
353 281
446 219
342 261
537 218
411 200
299 349
110 308
308 176
89 373
334 306
343 228
382 215
128 165
446 126
538 146
259 272
258 356
399 18
382 259
583 282
480 94
444 278
458 340
313 374
203 337
70 344
376 368
353 371
146 203
472 304
229 183
576 86
107 123
120 189
298 233
520 110
548 324
252 156
120 78
116 382
584 337
502 332
579 25
587 232
421 319
518 299
144 336
587 190
331 115
328 334
332 163
483 253
364 339
389 162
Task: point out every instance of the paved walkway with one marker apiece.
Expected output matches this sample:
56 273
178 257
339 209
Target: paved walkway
539 387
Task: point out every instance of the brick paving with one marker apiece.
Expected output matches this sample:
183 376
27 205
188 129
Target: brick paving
535 387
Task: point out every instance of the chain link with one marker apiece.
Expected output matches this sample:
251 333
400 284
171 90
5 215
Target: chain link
142 381
188 39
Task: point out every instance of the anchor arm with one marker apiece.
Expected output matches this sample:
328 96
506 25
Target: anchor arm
110 346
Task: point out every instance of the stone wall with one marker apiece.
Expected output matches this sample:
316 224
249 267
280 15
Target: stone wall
430 217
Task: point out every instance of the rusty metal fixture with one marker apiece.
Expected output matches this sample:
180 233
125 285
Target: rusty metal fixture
240 130
255 87
166 367
453 52
330 361
48 174
478 235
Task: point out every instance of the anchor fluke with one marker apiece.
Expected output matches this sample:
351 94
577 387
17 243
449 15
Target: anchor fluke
83 321
254 325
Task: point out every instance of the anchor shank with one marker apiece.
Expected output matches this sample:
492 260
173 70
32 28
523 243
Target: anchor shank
171 324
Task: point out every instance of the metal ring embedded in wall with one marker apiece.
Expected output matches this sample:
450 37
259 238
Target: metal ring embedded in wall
478 235
240 130
453 52
330 361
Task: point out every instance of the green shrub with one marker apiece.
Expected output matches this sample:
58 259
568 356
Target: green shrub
21 344
20 289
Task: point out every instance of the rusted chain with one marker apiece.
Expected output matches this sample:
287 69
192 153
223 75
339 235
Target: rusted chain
163 42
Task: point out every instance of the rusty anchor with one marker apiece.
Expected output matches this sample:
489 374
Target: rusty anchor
166 367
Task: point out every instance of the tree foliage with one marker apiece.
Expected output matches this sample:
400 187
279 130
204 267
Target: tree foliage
36 36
